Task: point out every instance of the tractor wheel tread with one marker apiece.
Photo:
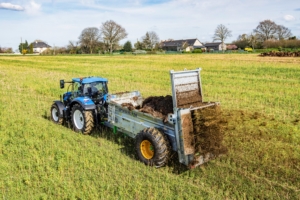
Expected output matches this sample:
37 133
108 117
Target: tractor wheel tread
88 120
160 144
60 119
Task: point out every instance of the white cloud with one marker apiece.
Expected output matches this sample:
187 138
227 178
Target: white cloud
87 2
289 17
10 6
33 8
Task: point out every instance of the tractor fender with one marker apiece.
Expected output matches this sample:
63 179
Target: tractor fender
85 102
61 107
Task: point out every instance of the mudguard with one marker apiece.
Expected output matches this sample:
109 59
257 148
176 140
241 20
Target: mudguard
61 107
85 102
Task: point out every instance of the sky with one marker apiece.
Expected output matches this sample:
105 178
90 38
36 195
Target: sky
59 21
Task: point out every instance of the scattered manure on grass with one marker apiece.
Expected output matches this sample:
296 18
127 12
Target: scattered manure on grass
263 124
296 121
209 130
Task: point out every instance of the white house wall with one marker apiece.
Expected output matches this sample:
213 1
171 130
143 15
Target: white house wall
198 43
39 50
224 47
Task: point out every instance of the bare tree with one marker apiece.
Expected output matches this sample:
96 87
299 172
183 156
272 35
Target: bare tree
283 32
150 40
243 37
253 40
73 47
112 33
266 30
221 34
89 38
242 41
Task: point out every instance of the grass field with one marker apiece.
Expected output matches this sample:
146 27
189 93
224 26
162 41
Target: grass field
260 99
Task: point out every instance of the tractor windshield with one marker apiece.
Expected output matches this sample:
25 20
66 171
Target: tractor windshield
96 88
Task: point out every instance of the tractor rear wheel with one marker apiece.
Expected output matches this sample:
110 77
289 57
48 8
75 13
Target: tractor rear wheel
83 121
152 147
54 111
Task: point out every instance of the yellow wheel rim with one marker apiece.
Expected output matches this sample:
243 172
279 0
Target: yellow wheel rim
147 149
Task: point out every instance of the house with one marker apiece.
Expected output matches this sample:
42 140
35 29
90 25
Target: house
231 47
181 45
39 46
215 46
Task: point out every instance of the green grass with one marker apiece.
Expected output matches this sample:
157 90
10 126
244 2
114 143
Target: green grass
260 99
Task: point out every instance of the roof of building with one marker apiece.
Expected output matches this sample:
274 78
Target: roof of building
89 79
212 44
40 44
199 47
178 43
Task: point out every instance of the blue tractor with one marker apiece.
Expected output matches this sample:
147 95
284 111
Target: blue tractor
83 105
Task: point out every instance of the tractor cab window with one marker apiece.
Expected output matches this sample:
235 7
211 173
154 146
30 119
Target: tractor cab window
96 88
77 89
76 86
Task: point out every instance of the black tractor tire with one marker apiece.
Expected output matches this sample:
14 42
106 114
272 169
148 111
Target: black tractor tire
152 147
82 120
54 115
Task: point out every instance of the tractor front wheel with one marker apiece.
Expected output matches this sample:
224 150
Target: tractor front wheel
152 147
83 121
54 111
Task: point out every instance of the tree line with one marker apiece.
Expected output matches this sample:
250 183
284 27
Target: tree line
6 50
267 34
106 38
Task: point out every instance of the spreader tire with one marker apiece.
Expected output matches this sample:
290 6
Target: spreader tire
83 121
54 112
152 147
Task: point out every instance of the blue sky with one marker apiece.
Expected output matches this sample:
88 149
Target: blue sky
58 21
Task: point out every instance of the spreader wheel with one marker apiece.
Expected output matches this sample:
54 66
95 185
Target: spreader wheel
54 112
83 121
152 147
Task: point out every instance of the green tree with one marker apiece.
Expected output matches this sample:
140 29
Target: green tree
150 40
127 46
31 48
147 41
293 38
138 45
23 46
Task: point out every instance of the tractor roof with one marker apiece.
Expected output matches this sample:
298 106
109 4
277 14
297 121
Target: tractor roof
90 79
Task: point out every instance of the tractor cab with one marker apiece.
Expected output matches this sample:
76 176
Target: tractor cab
94 88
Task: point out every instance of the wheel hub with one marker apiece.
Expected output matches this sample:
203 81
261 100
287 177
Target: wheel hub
78 119
55 114
147 149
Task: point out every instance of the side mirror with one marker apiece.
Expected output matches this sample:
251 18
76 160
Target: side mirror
62 84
